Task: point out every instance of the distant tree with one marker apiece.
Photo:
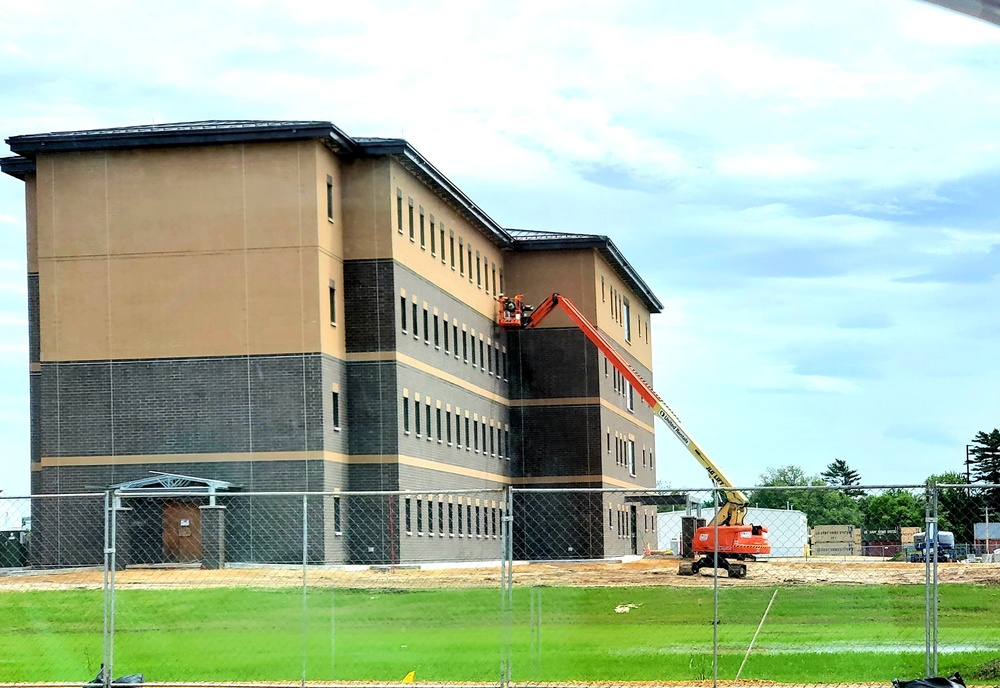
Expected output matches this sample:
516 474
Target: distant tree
822 507
958 508
839 473
892 509
984 464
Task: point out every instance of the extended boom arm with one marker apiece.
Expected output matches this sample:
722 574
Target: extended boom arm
515 314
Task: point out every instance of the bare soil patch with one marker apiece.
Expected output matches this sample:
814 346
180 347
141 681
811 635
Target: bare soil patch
646 571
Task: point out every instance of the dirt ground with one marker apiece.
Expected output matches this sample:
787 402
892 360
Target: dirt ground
645 571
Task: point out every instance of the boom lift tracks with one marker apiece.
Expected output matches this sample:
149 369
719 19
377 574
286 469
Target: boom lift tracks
737 542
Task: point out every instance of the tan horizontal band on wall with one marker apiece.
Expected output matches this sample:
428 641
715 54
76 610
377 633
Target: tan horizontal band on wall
430 370
333 457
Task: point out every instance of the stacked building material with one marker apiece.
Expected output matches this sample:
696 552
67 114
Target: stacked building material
836 541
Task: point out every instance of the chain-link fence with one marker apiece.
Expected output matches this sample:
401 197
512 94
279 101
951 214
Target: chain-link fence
498 587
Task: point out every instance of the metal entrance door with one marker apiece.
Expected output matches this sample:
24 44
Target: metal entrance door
181 532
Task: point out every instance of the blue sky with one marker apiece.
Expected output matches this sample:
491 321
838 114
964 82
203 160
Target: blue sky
810 187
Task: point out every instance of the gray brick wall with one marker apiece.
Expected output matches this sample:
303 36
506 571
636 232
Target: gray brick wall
369 311
33 324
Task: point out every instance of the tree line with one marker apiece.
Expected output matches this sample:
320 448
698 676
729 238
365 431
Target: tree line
959 508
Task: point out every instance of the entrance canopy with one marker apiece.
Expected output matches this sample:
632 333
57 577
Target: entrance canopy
171 483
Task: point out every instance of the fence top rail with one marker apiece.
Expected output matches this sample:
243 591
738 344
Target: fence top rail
977 486
680 490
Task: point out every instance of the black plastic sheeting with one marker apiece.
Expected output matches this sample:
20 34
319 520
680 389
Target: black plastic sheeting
953 681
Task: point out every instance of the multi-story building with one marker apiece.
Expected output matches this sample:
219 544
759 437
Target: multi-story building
277 306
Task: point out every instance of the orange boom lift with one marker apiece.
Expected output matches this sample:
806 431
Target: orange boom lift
737 542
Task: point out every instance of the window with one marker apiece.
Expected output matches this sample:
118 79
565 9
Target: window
493 445
489 359
420 515
626 314
454 337
501 281
500 442
430 516
506 434
434 239
482 358
445 333
629 397
465 345
451 244
470 263
442 244
468 518
506 365
336 409
631 458
461 257
402 312
399 210
468 443
486 269
423 234
411 219
333 303
458 429
602 289
406 510
415 333
437 335
406 415
336 516
329 198
447 429
483 424
427 329
441 513
478 531
609 441
494 279
475 436
439 437
479 273
451 520
428 409
473 352
461 531
416 415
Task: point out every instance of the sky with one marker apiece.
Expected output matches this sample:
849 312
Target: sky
809 187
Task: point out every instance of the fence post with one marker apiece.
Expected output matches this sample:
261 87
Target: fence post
937 546
507 586
106 592
929 522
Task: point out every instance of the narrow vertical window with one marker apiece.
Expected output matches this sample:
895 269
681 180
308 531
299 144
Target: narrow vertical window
444 331
420 515
329 198
494 278
423 234
411 219
473 352
407 503
415 333
486 269
627 315
427 329
428 409
506 365
399 210
434 239
468 518
451 519
454 337
336 410
439 436
465 345
506 433
430 516
483 426
631 458
475 436
482 361
493 444
461 530
441 517
402 312
336 516
442 244
406 415
602 289
451 252
458 429
447 426
489 359
479 272
437 333
469 250
468 442
333 302
461 256
416 416
629 397
478 532
501 282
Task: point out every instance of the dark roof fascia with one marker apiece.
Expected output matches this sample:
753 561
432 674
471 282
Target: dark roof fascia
608 251
17 166
419 166
139 137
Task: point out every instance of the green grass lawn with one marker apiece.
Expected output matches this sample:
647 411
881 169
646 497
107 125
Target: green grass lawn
813 634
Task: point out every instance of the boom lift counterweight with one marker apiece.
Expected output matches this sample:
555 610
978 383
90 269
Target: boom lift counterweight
736 542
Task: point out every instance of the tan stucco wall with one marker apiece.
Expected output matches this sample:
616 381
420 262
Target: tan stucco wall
206 251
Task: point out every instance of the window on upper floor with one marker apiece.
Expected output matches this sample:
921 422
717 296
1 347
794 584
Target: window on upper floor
434 238
411 220
416 334
626 315
336 410
399 210
329 198
451 246
402 312
423 232
333 302
469 250
442 244
437 335
631 458
428 409
494 279
416 416
406 415
440 437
